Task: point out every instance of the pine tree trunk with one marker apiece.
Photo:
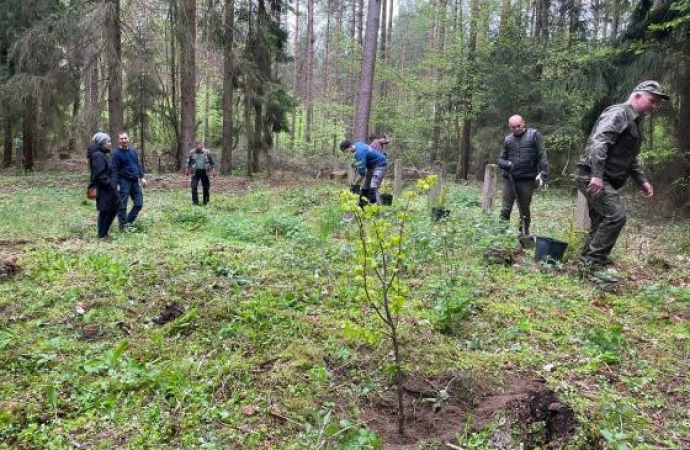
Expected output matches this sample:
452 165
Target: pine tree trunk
114 53
228 90
187 39
366 81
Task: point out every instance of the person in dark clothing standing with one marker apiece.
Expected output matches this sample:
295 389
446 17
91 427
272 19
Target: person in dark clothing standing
199 163
524 157
104 179
130 178
609 159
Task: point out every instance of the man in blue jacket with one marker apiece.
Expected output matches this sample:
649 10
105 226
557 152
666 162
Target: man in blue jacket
371 167
129 176
524 157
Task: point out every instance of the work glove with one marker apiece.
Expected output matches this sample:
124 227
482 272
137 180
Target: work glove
505 165
355 188
541 181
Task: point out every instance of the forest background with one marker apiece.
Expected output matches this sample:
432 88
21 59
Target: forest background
261 79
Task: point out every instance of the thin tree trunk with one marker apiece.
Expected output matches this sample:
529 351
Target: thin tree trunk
295 74
389 32
187 39
366 80
505 16
360 22
92 99
228 90
309 94
249 132
327 56
174 100
615 18
7 151
76 107
440 46
114 63
462 169
28 132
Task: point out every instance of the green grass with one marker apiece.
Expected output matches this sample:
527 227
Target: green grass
265 280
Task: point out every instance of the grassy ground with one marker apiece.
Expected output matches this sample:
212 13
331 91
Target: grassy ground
239 325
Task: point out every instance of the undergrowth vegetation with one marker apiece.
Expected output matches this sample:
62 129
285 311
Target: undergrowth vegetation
242 324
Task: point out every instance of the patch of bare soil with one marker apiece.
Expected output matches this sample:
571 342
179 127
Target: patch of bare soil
439 408
170 312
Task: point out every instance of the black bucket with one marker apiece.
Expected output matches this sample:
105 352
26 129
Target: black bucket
549 250
387 199
438 213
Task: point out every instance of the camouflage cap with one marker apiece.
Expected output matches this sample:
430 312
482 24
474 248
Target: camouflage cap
652 87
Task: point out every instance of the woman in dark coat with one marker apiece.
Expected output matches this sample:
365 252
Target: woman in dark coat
105 180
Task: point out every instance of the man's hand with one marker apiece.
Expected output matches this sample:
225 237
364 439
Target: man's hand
506 165
214 172
596 185
186 172
647 189
541 180
143 182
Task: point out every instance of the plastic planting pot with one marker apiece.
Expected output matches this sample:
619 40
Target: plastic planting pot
549 250
387 199
438 213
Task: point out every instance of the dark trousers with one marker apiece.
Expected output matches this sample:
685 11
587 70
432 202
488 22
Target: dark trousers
129 188
105 219
205 185
525 189
608 216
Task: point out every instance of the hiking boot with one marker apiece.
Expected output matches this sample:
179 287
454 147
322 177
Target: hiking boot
604 275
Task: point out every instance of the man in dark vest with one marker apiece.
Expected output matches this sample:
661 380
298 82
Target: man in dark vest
524 157
199 164
609 159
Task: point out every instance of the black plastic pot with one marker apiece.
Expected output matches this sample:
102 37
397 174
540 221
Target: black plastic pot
438 213
549 250
387 199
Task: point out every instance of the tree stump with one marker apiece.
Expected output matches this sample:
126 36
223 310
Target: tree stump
582 220
397 177
489 188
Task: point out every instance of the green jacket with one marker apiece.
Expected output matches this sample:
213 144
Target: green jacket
613 146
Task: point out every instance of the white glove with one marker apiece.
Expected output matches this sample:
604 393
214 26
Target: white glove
541 182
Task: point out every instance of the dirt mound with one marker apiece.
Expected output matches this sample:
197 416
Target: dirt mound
440 408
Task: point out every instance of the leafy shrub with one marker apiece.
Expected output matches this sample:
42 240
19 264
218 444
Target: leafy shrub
190 218
276 225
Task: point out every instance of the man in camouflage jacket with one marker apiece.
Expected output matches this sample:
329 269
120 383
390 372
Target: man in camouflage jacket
610 157
199 164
